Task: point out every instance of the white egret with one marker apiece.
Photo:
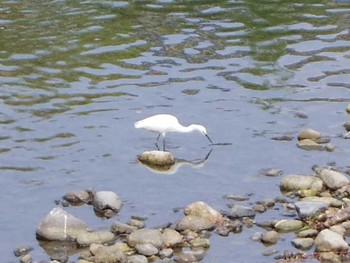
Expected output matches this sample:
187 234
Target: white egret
163 123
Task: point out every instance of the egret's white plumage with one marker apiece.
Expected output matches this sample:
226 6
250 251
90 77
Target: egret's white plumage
163 123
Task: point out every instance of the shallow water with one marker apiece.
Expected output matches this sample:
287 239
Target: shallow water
76 75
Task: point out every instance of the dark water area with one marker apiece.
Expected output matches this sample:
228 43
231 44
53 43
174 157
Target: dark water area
76 75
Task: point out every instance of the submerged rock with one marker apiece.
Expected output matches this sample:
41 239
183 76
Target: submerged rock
289 225
98 237
59 225
270 237
77 197
240 211
310 209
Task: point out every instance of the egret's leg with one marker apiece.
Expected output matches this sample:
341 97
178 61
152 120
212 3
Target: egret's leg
157 141
163 143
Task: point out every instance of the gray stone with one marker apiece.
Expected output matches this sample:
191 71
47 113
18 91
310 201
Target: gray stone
136 259
146 249
289 225
307 233
26 259
203 210
166 253
171 237
200 242
194 223
271 172
328 200
309 209
22 250
310 145
270 237
144 236
328 240
348 108
107 200
98 237
110 254
59 225
347 126
121 228
77 197
303 243
301 182
239 211
333 179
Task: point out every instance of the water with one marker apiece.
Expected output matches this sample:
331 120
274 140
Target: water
76 75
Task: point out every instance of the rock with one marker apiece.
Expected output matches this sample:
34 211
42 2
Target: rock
328 240
273 172
257 236
110 254
22 250
289 225
137 259
194 223
330 201
338 229
292 183
330 257
259 208
309 209
270 237
121 228
77 197
333 179
239 211
347 126
307 233
158 158
309 134
348 108
166 253
237 197
146 249
310 145
85 239
286 137
203 210
59 225
26 259
200 242
144 236
171 237
107 200
189 256
303 243
330 147
136 223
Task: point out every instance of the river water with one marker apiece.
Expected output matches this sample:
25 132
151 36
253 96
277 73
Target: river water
76 75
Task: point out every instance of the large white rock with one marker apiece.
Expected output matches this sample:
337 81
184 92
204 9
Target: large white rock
328 240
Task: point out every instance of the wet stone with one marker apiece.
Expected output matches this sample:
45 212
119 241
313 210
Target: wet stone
257 236
158 158
237 197
272 172
239 211
309 134
137 259
310 145
136 223
144 236
301 182
307 233
194 223
22 250
303 243
59 225
347 126
333 179
146 249
26 259
98 237
121 228
289 225
107 200
286 137
189 256
270 237
171 237
203 210
200 242
309 209
77 197
328 240
166 253
259 208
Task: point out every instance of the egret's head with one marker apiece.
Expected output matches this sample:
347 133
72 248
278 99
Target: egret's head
202 130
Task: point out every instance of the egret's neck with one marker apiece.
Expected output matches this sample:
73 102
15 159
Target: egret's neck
190 128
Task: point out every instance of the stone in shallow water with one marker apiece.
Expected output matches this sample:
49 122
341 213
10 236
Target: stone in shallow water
98 237
107 200
270 237
303 243
59 225
309 134
333 179
310 145
146 235
310 209
239 211
203 210
194 223
301 182
289 225
328 240
159 158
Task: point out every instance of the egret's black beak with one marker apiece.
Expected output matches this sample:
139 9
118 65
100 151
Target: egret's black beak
206 135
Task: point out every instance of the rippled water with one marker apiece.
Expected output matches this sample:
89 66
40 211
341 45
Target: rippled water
76 75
